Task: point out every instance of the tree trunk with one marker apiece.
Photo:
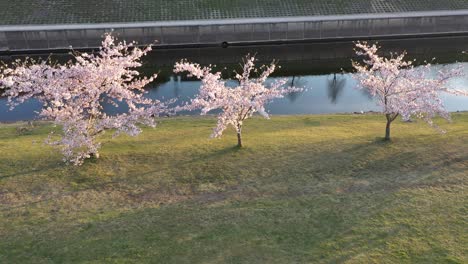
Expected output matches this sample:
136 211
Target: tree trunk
387 130
390 118
94 155
239 136
239 139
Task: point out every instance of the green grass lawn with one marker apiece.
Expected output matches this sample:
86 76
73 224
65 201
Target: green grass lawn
305 189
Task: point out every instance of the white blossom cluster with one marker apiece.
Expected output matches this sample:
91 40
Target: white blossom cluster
73 95
236 103
401 88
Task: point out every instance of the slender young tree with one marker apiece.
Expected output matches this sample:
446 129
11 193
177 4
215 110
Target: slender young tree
236 103
402 89
73 95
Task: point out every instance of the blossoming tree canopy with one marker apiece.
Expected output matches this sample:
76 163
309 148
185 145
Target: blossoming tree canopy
402 89
73 95
236 103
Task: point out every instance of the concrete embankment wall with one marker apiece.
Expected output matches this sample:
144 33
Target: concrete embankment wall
237 31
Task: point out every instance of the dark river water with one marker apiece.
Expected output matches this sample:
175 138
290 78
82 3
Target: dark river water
324 69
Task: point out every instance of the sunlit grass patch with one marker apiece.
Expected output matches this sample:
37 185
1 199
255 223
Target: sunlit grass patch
314 189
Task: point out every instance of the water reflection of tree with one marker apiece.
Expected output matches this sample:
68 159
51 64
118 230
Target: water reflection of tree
176 85
335 87
366 93
299 82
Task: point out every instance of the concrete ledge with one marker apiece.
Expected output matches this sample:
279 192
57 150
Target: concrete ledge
255 30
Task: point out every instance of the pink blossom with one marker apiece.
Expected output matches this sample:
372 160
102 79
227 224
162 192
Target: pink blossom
73 95
236 103
402 89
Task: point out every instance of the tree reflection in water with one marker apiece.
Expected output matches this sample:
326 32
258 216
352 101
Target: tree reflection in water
299 82
335 87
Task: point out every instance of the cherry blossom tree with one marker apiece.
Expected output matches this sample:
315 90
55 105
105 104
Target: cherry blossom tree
402 89
236 103
74 94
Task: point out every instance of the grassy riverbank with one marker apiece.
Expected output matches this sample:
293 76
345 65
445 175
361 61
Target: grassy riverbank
317 189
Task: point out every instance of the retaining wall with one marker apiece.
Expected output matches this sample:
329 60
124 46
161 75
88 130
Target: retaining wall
235 31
